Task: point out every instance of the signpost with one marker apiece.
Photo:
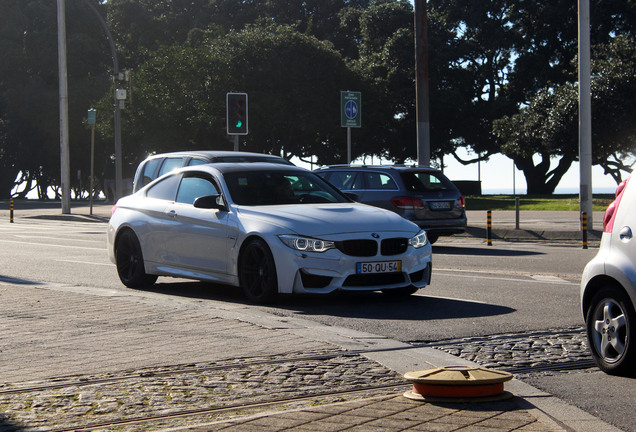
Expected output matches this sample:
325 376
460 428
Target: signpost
350 115
92 119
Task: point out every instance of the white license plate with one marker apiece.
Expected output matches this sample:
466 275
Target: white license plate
379 267
440 205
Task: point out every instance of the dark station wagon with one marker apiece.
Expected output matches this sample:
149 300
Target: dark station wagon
421 194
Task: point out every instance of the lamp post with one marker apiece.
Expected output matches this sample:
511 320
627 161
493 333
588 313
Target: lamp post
65 170
117 112
585 112
421 84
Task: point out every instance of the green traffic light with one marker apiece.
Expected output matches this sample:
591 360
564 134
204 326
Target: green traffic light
239 124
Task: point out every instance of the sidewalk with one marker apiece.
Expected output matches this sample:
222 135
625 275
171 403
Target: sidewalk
80 358
155 355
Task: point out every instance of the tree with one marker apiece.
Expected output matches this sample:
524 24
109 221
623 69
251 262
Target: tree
547 129
29 96
293 103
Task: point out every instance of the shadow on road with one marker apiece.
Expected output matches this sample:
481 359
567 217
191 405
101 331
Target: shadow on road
485 251
367 305
7 426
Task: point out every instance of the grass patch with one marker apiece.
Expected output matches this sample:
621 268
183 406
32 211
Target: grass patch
527 202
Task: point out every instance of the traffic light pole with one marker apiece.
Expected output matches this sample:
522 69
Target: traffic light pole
236 143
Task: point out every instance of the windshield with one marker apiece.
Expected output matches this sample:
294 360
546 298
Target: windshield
279 187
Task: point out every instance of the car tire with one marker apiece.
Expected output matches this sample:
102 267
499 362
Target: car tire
432 238
611 331
400 292
257 272
130 262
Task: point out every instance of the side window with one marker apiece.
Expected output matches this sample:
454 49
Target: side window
192 188
149 170
195 161
346 180
380 181
165 189
170 164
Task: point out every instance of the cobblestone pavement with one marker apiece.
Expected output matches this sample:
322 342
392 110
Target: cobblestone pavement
229 395
86 401
242 396
515 351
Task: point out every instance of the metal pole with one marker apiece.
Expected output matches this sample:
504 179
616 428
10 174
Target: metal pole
90 190
348 145
585 112
117 113
421 84
65 169
236 142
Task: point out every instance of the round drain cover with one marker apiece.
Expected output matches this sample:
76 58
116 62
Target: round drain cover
458 382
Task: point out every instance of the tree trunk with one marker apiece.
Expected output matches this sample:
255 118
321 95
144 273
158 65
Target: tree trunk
540 179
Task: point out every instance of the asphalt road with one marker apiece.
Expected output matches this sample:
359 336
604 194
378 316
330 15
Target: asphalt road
477 291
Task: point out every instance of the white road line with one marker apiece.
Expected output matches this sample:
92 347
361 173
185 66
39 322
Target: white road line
509 279
52 245
103 240
85 262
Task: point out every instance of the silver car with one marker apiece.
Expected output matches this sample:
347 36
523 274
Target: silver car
159 164
608 288
268 228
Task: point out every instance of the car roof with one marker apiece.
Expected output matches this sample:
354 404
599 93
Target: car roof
212 154
397 167
230 167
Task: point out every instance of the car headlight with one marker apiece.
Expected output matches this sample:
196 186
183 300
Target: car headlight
307 244
419 240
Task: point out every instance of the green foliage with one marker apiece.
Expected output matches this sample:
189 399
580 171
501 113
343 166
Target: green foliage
293 105
548 125
538 202
505 59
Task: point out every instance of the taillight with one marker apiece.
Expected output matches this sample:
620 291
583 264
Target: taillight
113 210
407 203
461 203
610 213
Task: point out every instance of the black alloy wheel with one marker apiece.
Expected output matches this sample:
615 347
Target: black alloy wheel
130 262
257 272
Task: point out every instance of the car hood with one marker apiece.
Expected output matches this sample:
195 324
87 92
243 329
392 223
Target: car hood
327 219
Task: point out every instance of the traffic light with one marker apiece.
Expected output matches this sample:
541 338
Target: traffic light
236 113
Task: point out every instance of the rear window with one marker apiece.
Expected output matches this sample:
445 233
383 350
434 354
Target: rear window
426 181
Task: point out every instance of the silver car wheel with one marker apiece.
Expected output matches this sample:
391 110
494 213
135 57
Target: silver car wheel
611 330
611 326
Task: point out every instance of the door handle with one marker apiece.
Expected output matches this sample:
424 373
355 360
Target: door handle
171 213
625 234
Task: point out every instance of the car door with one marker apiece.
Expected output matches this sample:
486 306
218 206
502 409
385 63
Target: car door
199 238
158 225
379 189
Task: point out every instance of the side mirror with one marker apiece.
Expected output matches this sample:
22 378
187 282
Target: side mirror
210 202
